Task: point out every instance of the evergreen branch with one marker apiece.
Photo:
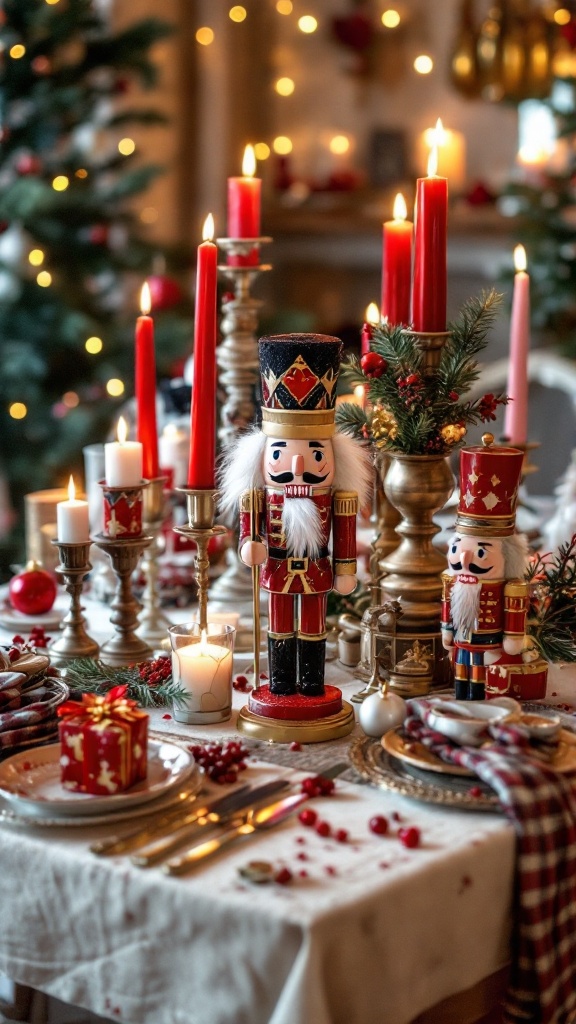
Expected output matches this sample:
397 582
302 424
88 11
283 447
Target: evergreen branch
351 419
87 676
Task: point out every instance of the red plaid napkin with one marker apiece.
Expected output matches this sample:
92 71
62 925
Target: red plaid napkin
541 803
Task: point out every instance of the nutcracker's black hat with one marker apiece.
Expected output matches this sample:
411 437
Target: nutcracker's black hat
299 374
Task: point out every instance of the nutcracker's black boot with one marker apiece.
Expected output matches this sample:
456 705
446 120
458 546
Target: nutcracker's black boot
464 689
282 664
311 658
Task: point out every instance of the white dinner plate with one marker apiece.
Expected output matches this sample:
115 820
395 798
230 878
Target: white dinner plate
30 782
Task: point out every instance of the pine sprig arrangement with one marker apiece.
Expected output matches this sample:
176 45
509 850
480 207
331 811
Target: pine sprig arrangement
151 683
552 616
413 412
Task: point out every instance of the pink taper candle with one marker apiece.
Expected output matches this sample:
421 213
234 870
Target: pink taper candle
516 418
202 465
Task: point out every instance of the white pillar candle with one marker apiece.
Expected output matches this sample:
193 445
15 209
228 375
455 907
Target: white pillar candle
123 460
72 519
205 671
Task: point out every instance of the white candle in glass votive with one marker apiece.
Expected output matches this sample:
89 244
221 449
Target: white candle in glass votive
72 519
123 460
205 671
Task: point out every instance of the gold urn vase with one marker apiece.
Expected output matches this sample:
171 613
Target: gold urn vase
418 486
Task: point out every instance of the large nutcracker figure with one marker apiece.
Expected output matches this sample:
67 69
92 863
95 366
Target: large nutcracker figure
306 480
485 598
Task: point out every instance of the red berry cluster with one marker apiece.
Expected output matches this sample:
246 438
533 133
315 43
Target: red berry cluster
410 389
221 762
435 445
408 836
310 819
487 407
373 364
37 638
157 671
317 785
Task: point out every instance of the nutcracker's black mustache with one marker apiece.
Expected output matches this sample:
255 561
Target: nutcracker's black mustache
478 570
287 478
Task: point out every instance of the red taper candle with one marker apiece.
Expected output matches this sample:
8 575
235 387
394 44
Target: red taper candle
145 387
244 209
201 471
397 265
429 289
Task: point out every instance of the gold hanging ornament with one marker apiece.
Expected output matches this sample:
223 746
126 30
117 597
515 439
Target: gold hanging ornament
383 426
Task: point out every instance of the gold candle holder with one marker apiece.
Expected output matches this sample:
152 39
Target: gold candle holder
239 376
153 622
200 509
124 648
72 571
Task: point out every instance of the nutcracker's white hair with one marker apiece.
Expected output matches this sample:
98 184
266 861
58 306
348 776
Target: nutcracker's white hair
241 469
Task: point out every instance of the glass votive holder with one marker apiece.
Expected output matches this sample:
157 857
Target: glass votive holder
202 665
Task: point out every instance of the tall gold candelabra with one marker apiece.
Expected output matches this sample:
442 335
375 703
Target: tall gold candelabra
72 571
237 357
200 510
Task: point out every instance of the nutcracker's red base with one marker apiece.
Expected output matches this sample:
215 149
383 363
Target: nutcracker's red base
295 707
518 680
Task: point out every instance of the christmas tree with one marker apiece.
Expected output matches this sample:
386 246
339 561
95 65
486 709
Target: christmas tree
72 257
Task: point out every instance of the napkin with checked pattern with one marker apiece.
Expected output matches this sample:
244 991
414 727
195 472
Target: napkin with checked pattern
23 715
541 804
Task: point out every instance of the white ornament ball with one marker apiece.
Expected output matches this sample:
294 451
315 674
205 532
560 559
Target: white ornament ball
380 712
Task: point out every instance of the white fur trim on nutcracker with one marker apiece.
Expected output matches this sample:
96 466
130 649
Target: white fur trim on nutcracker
354 468
302 525
516 554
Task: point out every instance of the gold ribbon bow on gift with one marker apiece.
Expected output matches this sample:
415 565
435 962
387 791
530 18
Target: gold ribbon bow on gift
112 706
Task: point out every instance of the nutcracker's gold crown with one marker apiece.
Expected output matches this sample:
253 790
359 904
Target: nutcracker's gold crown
299 373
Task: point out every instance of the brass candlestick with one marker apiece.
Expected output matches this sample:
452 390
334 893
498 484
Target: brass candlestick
153 623
200 509
72 571
239 375
124 648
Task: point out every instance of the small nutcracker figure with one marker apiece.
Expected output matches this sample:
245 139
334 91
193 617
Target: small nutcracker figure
307 481
485 598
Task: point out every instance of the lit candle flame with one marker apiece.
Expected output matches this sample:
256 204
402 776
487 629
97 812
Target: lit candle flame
208 229
203 645
520 258
400 210
145 299
71 489
359 394
433 161
249 162
372 314
122 430
440 133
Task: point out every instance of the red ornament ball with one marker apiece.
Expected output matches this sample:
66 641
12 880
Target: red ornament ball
373 365
165 292
33 591
99 234
28 163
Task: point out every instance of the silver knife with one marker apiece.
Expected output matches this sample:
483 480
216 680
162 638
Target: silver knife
264 818
186 833
184 814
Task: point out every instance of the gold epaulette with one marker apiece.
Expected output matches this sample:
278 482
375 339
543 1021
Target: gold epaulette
515 588
246 501
345 503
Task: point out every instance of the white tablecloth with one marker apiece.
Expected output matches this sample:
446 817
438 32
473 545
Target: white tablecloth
373 932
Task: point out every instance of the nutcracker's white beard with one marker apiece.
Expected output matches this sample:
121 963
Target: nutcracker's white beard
302 526
465 607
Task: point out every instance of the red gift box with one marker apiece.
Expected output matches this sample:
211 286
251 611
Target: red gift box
518 679
104 743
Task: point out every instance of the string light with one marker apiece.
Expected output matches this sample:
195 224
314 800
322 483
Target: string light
44 279
115 387
149 215
284 6
261 150
126 146
307 24
205 36
17 51
562 16
284 86
17 410
52 2
423 64
81 173
36 257
70 399
339 144
282 145
93 345
391 18
237 14
60 183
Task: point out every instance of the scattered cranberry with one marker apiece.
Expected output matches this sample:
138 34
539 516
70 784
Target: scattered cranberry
330 870
475 792
323 828
283 876
383 864
300 839
241 683
318 785
409 837
378 825
166 716
308 817
396 816
302 856
341 835
303 873
220 761
295 745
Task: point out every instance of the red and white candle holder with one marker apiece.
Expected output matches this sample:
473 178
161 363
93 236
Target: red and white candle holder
122 510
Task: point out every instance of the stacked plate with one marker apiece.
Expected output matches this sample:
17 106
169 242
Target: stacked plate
28 702
31 788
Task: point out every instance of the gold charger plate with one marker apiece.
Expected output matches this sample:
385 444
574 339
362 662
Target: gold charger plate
419 756
375 764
